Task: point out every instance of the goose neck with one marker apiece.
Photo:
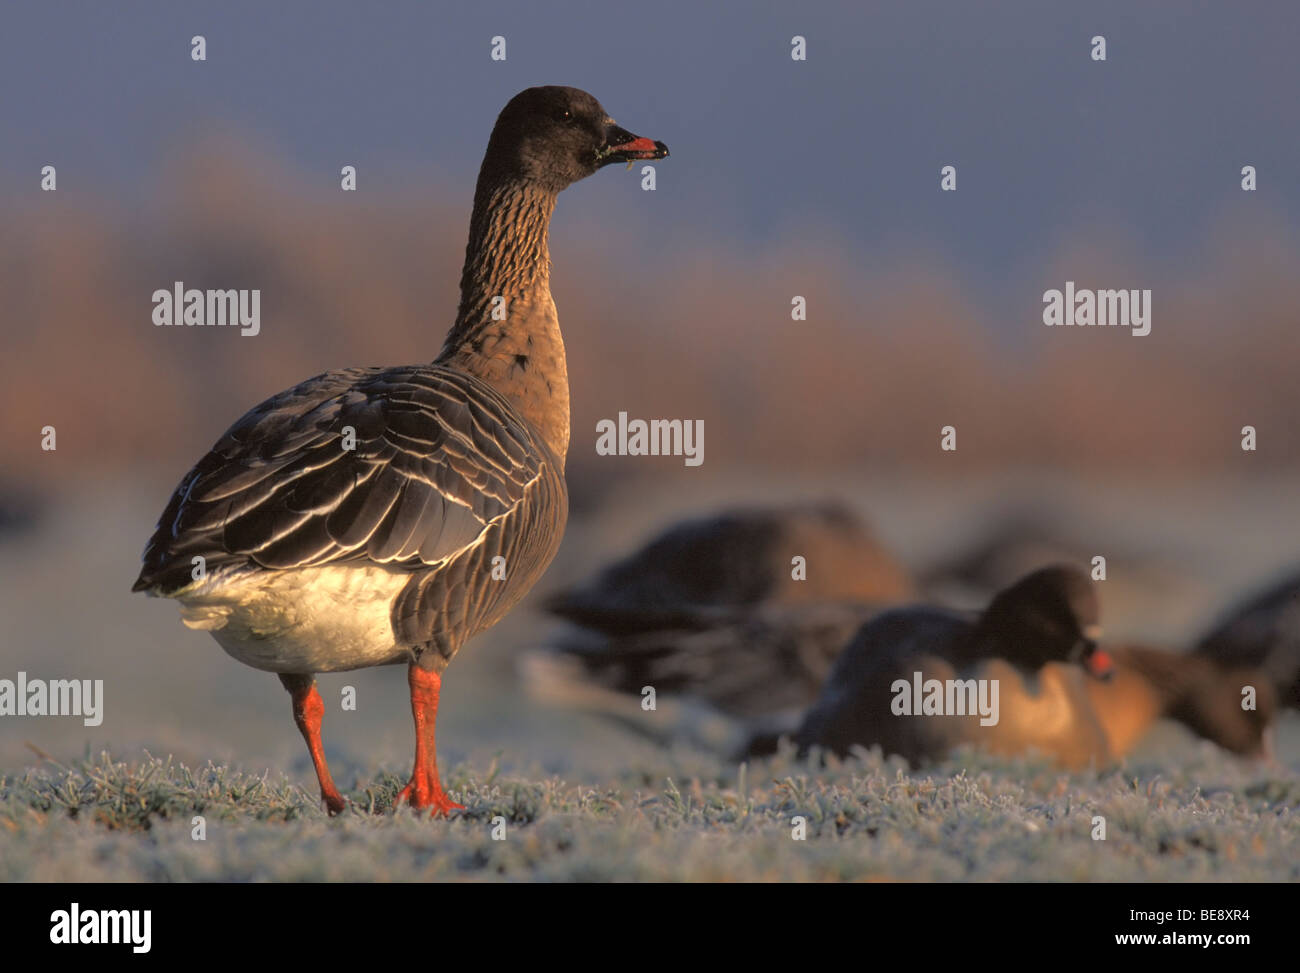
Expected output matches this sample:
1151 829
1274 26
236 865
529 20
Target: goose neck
507 332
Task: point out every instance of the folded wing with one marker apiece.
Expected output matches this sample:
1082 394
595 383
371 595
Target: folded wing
401 466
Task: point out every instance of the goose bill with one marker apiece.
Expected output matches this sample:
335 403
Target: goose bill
1099 663
623 146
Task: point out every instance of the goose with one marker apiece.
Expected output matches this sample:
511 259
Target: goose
1012 543
384 516
1037 638
709 611
713 569
1045 703
1262 631
768 663
1202 693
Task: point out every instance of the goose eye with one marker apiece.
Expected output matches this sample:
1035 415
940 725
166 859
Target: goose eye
564 116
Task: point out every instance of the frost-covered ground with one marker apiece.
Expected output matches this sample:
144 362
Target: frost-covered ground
686 817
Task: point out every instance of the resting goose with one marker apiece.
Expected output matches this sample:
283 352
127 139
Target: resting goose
710 611
1204 694
715 569
1027 639
377 516
770 661
1263 631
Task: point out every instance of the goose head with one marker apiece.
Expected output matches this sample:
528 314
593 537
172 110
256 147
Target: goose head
552 136
1050 615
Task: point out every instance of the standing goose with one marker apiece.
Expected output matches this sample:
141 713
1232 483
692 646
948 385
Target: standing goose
374 516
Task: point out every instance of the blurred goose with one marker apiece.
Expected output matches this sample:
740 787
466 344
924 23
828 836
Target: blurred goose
710 612
1016 541
769 662
1009 546
1037 639
1203 694
1263 631
382 516
711 570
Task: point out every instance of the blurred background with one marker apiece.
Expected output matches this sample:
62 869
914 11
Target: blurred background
816 178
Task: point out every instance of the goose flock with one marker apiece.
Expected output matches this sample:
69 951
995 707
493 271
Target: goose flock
826 668
383 516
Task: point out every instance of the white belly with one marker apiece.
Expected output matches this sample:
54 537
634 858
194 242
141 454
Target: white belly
307 620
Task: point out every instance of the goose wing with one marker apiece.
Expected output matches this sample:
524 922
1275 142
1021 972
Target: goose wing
402 466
